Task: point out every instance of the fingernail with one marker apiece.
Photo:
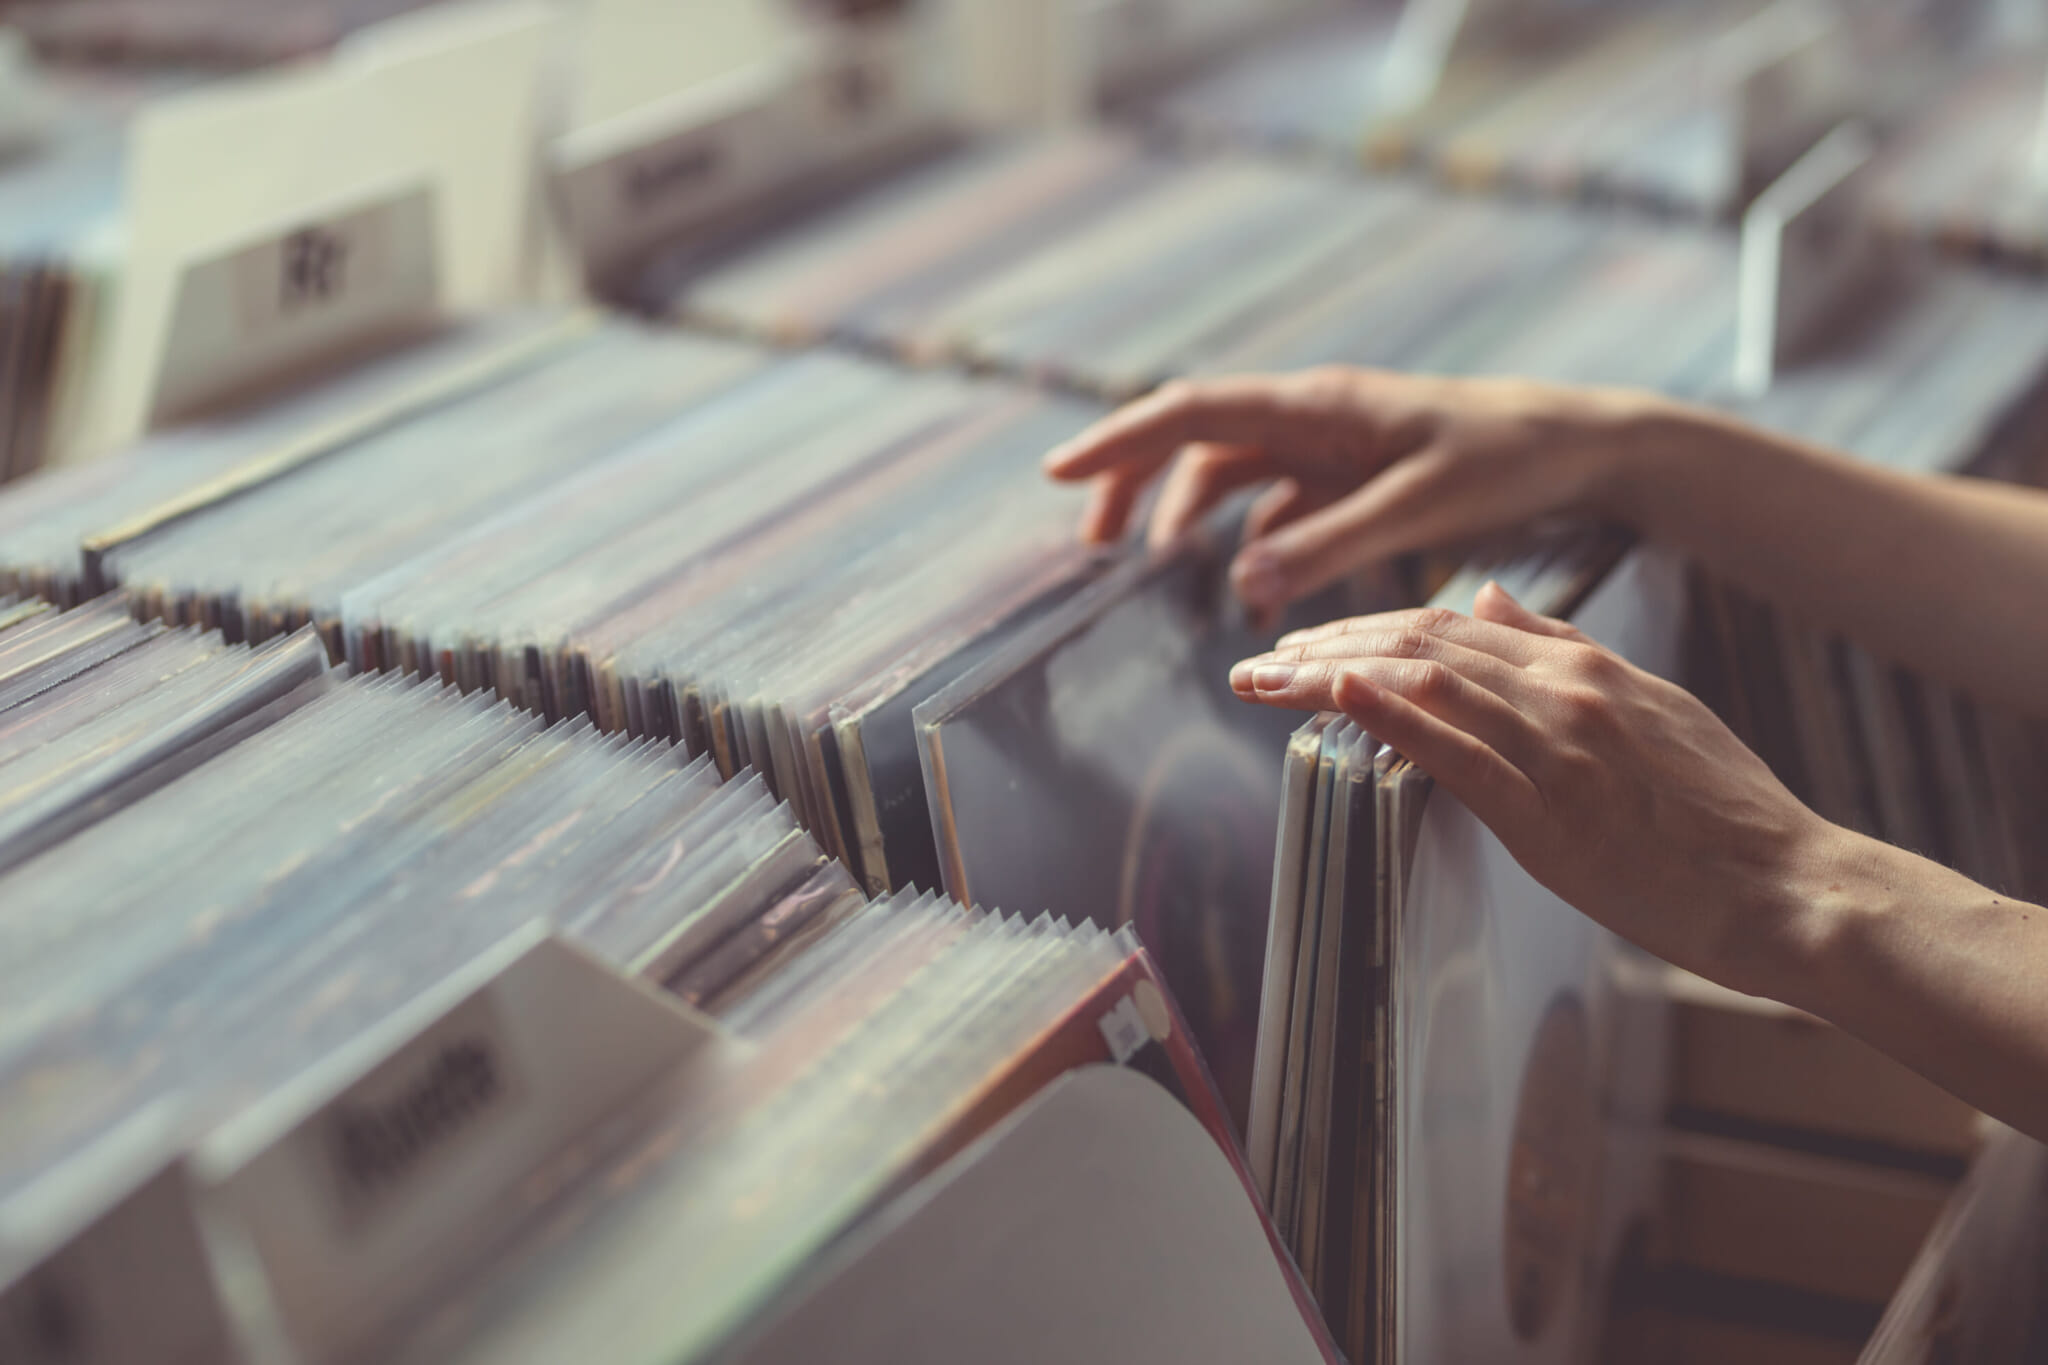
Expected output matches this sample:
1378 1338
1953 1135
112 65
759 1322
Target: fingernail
1241 676
1258 579
1272 677
1294 637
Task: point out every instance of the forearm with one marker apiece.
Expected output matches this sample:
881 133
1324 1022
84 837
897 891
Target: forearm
1943 575
1924 965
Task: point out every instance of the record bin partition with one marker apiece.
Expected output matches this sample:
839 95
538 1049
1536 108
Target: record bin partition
312 1186
1863 743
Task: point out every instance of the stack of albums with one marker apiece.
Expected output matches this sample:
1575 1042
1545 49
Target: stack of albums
1610 103
1873 746
1452 1091
51 524
388 869
1094 265
849 576
771 559
60 193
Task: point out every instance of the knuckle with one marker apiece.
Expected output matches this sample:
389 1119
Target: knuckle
1585 709
1435 620
1408 643
1597 665
1426 680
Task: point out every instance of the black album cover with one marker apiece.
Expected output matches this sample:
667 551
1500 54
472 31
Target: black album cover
1101 768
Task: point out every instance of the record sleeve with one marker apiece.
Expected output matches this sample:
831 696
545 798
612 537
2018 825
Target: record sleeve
1102 766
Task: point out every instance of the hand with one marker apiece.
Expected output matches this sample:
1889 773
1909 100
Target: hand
1617 790
1363 464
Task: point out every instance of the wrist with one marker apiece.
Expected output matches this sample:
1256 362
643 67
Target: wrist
1837 899
1813 895
1637 445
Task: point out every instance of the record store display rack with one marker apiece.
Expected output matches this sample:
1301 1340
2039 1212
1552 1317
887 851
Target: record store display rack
567 790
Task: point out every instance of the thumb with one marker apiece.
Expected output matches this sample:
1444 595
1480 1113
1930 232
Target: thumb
1495 604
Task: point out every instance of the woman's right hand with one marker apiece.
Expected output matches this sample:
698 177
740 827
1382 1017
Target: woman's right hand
1363 464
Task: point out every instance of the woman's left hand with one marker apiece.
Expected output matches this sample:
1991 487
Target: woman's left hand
1619 791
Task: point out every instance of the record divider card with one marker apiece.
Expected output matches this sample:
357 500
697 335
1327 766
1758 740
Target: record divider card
1430 32
393 1162
381 210
1780 71
1808 255
1785 75
638 180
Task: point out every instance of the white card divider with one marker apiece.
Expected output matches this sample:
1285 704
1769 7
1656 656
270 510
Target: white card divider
1809 253
85 1281
324 157
645 179
1784 73
1430 32
325 284
394 1163
1099 1224
1424 37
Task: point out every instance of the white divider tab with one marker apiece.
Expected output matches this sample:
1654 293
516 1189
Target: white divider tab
1785 75
388 1169
446 101
1809 254
632 183
644 179
133 1288
327 284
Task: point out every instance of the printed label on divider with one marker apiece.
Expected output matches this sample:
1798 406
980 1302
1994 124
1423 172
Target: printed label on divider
1809 254
134 1286
639 181
643 180
389 1171
320 286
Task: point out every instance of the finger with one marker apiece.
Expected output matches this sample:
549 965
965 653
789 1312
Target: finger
1143 436
1490 671
1488 637
1494 789
1108 513
1288 500
1203 475
1427 498
1494 603
1438 688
